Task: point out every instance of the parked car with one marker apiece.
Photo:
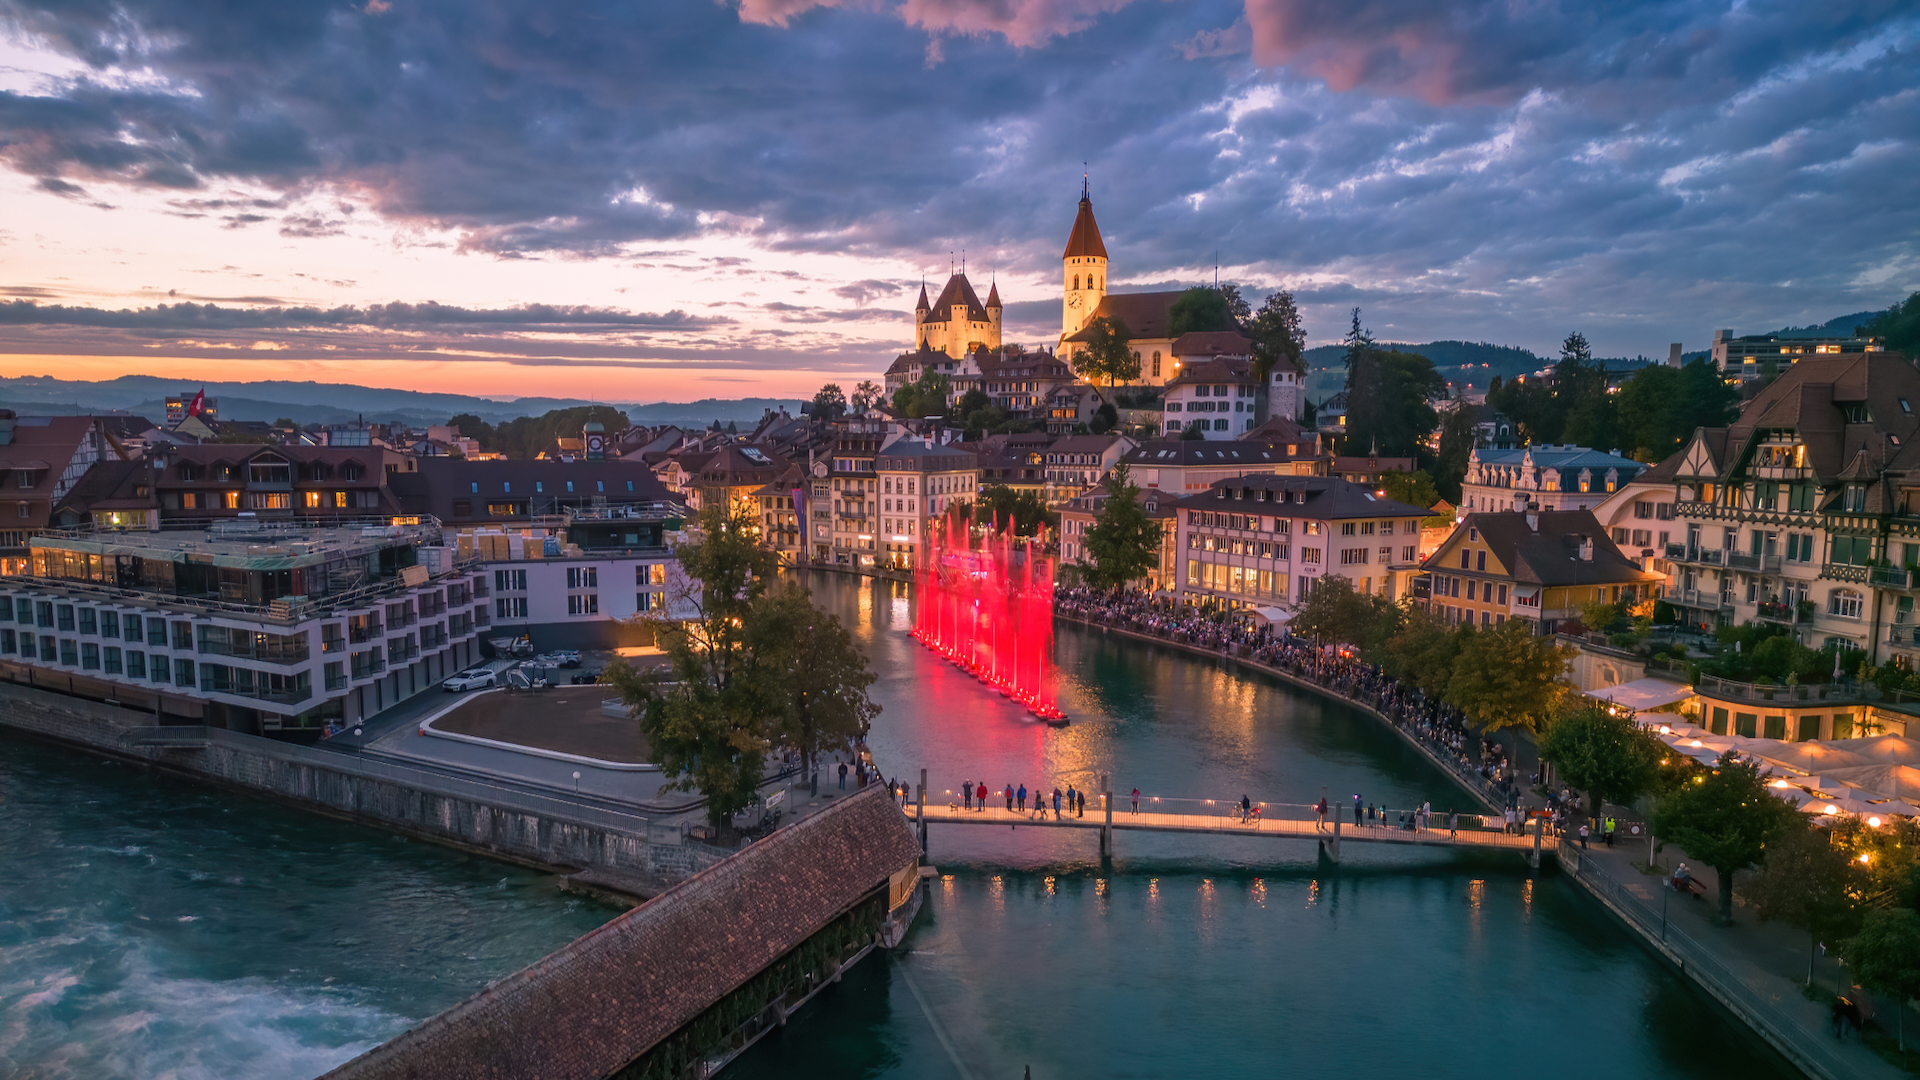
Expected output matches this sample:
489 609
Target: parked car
476 679
568 658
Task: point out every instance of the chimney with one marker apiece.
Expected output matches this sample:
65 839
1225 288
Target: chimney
1533 520
1586 549
1673 355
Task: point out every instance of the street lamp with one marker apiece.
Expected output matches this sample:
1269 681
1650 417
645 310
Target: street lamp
576 781
360 747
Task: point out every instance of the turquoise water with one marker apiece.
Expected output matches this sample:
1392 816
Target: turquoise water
163 930
1229 957
154 928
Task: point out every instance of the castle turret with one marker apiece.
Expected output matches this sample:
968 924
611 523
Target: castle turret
920 311
993 314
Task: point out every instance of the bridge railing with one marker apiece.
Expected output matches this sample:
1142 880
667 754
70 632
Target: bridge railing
1228 808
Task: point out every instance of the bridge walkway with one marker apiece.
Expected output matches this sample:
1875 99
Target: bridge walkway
1224 824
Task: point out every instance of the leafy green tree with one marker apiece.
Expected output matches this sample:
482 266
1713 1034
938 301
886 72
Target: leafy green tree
474 428
927 397
706 714
1277 334
1808 881
1459 432
1423 651
1609 757
1389 396
1194 431
830 403
821 673
1413 488
1237 305
1123 545
1508 677
1108 355
1201 308
866 394
1725 818
1335 612
1026 511
1885 957
1105 418
1900 326
527 437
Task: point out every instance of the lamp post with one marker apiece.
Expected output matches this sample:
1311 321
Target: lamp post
576 781
360 744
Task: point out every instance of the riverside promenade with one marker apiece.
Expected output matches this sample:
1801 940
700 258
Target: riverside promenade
1742 968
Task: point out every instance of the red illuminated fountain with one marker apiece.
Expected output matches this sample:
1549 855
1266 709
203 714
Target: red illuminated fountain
988 609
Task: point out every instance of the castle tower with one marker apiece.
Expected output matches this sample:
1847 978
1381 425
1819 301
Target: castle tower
993 315
1083 269
920 312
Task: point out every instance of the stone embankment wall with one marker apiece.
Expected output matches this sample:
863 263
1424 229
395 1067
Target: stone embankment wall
515 825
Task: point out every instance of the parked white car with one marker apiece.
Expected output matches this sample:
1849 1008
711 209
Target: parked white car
469 680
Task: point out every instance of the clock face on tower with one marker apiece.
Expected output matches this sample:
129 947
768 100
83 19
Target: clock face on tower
1073 300
595 443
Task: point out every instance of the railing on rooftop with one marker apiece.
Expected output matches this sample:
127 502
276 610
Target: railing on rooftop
655 510
1728 690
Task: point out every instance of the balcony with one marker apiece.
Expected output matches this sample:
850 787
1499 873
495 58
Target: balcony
360 635
1904 635
1787 613
1891 577
1701 598
1701 556
1763 564
1725 690
1840 572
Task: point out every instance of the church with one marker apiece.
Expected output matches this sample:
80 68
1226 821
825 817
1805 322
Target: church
951 332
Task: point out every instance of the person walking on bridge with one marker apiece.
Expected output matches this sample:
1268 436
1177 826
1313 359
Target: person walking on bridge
1356 809
1246 809
1020 798
981 793
1080 805
1136 800
1453 824
1009 798
1320 816
1056 804
966 794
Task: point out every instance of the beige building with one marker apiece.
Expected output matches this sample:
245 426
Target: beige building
957 323
918 483
1261 541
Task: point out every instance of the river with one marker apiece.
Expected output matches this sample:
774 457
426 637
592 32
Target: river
153 928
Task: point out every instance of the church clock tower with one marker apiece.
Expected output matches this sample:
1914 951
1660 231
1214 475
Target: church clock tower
1083 269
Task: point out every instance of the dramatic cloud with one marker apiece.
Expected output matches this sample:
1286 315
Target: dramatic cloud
1643 169
202 317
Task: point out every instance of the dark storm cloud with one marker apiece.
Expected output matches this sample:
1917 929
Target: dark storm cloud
199 318
1470 168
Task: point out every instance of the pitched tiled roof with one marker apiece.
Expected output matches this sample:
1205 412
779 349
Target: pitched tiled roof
1217 370
1084 241
959 291
1323 498
1811 398
993 295
1212 343
1550 553
597 1004
1170 452
1146 314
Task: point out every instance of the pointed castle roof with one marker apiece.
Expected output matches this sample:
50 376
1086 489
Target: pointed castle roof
1085 240
993 296
959 292
922 305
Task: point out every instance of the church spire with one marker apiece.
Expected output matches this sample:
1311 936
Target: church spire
993 296
923 305
1084 241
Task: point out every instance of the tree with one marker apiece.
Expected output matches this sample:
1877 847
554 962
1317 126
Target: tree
1277 334
285 424
829 403
706 713
822 675
1389 396
1507 677
1201 308
866 394
1123 545
1194 431
1608 756
1885 957
1334 612
1899 325
927 397
1237 305
1413 488
1459 433
1108 354
526 437
1808 882
474 428
1725 818
1423 652
1025 511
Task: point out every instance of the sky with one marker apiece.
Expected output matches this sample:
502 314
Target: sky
678 199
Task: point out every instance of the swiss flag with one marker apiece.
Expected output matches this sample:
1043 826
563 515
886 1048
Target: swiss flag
199 402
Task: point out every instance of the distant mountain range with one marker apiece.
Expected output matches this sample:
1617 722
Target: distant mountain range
334 403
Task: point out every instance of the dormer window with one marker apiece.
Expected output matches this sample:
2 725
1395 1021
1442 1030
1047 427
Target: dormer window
1856 499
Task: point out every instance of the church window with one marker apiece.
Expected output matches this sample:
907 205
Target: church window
1156 364
1076 282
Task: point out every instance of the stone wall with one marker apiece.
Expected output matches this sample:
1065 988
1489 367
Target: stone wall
547 831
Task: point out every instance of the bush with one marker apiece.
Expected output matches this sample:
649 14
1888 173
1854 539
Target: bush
1621 641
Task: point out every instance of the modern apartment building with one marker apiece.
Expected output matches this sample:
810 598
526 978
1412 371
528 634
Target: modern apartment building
586 586
1750 357
1268 540
255 626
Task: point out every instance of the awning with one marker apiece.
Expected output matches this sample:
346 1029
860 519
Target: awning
1644 695
1272 615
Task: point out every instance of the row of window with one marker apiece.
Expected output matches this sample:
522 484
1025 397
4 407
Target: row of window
539 486
1210 406
268 500
1483 591
83 620
580 577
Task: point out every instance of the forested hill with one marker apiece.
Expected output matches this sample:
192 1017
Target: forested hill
1475 362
